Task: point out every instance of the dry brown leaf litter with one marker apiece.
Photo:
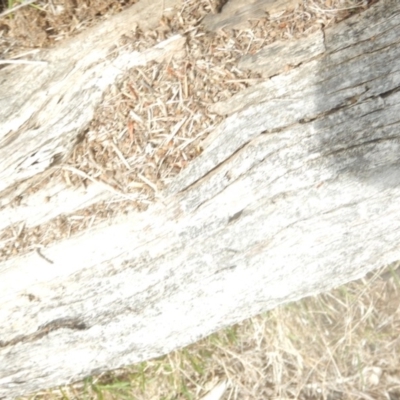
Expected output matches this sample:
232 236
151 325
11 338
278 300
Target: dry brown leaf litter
46 22
150 126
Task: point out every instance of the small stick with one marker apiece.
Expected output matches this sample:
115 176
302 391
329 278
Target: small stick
44 257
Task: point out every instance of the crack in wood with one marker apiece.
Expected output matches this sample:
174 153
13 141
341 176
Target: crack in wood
235 216
45 329
361 145
205 174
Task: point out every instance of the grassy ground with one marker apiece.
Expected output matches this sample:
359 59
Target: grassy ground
344 344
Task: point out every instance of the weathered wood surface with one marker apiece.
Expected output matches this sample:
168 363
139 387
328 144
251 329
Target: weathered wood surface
296 51
43 118
296 192
239 13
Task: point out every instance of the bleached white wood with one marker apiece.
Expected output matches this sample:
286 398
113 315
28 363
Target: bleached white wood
286 55
55 199
43 118
297 192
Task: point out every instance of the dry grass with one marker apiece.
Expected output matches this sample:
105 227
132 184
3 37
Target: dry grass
340 345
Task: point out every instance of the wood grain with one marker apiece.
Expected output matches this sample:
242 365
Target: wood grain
296 192
43 118
237 13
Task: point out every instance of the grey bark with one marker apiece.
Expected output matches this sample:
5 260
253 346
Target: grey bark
297 192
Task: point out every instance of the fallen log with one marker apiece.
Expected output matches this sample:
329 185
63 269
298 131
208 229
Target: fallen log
296 192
